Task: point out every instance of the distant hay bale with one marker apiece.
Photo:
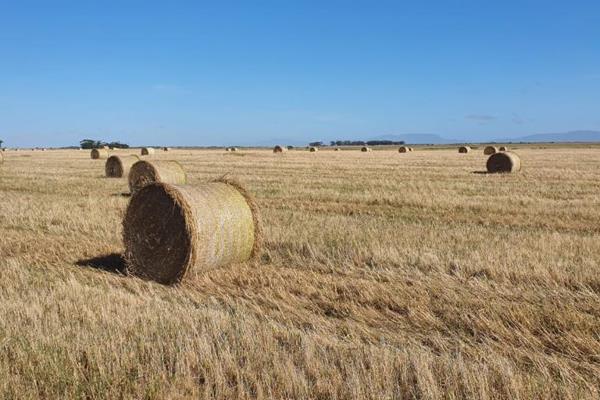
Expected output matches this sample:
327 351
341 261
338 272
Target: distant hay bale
166 149
490 150
145 172
504 161
146 151
337 149
403 149
172 231
313 149
231 149
365 149
279 149
97 154
411 149
119 166
503 148
464 149
106 147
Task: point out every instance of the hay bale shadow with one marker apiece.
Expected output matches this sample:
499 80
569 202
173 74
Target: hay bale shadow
114 263
124 194
480 172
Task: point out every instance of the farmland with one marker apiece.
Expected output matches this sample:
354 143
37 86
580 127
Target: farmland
383 275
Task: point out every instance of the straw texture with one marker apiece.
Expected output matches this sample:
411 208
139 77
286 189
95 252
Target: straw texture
119 166
145 172
505 161
172 231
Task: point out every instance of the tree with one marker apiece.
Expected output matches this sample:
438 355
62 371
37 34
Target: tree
1 141
315 144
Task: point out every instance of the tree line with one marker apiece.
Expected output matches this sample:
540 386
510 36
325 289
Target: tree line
98 144
358 143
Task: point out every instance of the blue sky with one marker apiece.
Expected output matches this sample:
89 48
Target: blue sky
192 73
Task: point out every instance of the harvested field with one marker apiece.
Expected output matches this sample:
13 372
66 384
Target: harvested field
405 278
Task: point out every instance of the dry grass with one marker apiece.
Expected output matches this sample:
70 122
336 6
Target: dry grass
459 285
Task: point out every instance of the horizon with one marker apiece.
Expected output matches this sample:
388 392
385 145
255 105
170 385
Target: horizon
241 74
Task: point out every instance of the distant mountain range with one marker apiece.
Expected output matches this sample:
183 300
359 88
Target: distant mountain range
428 138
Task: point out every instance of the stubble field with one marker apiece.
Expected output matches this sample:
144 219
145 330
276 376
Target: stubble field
383 275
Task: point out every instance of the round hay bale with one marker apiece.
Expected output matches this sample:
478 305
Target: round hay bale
490 150
365 149
505 161
337 149
279 149
119 166
313 149
503 148
97 154
403 149
145 172
464 149
146 151
172 231
234 149
411 149
166 149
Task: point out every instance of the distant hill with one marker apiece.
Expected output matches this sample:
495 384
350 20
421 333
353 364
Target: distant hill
572 136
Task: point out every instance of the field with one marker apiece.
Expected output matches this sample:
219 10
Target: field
383 276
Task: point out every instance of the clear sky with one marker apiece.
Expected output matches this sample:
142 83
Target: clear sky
222 73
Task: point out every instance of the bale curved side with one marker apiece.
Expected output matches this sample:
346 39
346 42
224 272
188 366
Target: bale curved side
503 148
146 151
172 231
464 149
279 149
313 149
490 150
145 172
365 149
403 149
505 161
97 154
119 166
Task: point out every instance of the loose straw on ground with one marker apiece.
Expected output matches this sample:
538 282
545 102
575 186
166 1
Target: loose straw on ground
145 172
172 231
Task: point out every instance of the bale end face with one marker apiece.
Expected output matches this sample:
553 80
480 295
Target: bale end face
503 162
490 150
313 149
403 149
118 167
145 172
464 149
279 149
97 154
365 149
169 230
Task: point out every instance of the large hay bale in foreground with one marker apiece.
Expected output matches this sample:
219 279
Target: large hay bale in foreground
145 172
172 231
464 149
146 151
97 154
366 149
490 150
313 149
119 166
403 149
504 161
279 149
